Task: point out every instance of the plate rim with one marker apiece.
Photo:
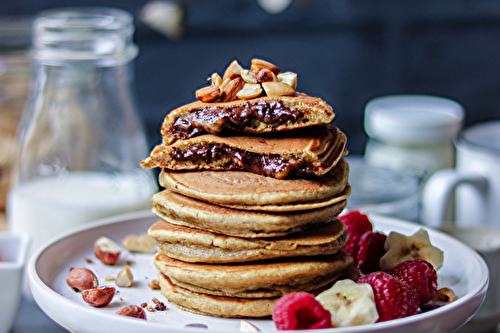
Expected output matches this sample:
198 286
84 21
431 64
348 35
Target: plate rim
35 279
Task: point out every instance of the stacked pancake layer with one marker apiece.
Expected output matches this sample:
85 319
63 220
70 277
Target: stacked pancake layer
250 205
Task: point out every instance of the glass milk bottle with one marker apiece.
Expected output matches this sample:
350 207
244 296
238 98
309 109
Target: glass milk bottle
81 138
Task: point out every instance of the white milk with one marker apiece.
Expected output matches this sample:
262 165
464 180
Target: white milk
48 206
45 207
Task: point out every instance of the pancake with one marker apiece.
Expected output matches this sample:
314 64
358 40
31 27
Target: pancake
260 279
181 210
215 306
315 150
249 189
257 115
293 207
194 245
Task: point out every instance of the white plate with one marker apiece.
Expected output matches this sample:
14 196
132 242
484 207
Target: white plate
463 270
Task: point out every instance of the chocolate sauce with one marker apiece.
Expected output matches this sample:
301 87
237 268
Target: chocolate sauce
214 119
268 165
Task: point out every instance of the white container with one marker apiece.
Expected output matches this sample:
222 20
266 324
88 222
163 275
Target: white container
14 251
412 133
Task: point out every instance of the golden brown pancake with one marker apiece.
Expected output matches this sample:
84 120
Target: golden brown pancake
181 210
258 115
315 150
260 279
297 206
249 189
194 245
215 306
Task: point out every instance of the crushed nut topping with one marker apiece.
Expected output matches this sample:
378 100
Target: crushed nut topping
239 83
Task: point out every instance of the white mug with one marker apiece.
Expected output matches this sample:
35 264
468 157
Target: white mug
475 181
473 188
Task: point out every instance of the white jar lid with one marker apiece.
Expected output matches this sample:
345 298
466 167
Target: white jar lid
413 119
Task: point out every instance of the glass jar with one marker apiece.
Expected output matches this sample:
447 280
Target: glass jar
382 191
412 133
80 136
14 87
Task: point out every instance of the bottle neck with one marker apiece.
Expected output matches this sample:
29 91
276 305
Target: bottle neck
98 37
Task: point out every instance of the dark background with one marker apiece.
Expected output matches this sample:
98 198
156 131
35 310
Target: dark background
346 51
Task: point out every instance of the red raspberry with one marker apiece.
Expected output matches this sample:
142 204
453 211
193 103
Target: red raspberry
300 310
419 275
393 298
356 224
371 249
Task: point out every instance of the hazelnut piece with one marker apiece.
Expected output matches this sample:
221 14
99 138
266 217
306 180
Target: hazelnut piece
81 279
125 278
98 297
141 243
248 76
289 78
133 311
208 94
259 64
275 89
231 89
107 251
443 296
232 71
265 75
249 91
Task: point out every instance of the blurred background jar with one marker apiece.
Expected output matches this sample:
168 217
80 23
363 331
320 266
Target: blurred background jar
14 86
382 191
412 133
81 140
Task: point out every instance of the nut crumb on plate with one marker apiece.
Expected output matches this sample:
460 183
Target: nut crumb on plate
154 284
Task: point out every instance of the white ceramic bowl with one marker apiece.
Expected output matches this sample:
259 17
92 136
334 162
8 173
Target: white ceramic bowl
463 270
14 250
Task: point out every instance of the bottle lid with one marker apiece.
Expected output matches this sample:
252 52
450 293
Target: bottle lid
413 119
102 36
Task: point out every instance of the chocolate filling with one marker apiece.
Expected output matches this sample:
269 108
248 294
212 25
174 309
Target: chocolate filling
214 119
268 165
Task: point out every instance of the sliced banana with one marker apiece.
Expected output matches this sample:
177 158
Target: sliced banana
350 303
400 248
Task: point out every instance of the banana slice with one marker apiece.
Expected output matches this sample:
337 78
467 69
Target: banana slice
400 248
350 303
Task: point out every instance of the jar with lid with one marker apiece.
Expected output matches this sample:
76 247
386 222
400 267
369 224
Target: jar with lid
412 133
81 139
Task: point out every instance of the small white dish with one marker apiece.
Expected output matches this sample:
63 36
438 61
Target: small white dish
463 271
14 251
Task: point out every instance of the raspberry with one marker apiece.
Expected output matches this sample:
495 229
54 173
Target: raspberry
419 275
356 224
393 298
300 310
371 249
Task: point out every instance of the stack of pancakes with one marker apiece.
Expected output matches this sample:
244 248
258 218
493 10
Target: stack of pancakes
253 189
